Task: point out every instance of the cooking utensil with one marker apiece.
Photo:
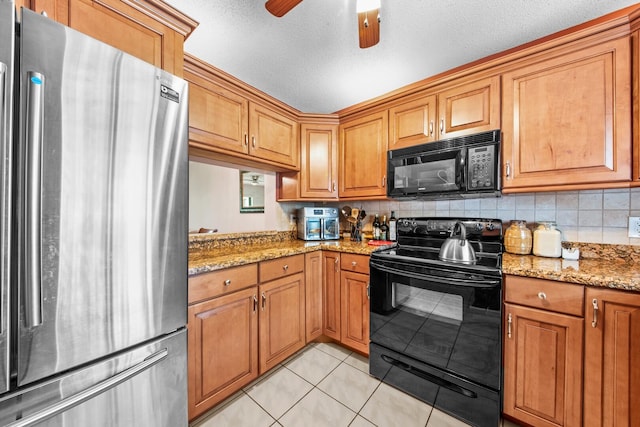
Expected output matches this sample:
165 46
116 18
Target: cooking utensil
346 211
458 248
355 212
362 215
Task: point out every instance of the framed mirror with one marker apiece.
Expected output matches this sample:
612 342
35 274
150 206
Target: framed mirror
251 192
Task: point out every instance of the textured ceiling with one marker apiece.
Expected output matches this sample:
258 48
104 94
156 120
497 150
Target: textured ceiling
310 58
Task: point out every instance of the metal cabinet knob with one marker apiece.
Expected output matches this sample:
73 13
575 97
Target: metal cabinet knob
542 295
227 282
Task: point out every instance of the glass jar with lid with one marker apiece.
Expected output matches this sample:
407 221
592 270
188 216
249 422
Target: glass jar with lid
518 238
547 240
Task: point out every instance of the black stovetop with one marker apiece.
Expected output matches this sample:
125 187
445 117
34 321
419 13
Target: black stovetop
420 239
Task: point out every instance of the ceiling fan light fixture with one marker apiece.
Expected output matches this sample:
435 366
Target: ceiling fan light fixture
368 29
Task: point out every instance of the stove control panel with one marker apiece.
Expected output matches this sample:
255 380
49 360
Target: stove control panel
442 227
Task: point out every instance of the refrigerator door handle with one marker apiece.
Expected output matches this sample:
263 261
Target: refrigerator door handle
4 126
91 392
33 209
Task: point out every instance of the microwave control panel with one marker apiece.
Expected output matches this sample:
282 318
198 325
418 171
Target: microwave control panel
481 165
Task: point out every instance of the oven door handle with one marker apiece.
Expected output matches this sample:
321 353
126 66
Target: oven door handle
445 280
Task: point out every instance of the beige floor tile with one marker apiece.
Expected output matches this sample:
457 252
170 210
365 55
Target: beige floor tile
240 412
318 410
389 407
313 364
358 361
279 391
361 422
335 350
350 386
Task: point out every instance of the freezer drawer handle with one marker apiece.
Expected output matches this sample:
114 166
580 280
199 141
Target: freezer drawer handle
83 396
33 180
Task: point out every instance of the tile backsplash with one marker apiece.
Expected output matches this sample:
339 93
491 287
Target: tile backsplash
594 216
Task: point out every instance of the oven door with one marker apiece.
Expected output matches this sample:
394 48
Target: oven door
436 333
442 317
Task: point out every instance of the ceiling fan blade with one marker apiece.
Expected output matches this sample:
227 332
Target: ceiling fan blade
280 7
369 28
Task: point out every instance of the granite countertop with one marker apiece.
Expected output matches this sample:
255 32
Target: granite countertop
206 258
610 266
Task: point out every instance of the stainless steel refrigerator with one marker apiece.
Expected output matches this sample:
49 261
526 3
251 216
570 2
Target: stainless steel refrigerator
94 191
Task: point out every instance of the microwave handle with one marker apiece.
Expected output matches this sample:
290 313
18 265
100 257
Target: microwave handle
463 168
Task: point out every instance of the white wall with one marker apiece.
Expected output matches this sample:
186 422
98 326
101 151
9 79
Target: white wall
214 202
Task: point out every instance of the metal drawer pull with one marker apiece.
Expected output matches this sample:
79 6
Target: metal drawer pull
227 282
264 300
542 295
353 263
594 323
255 303
285 267
509 326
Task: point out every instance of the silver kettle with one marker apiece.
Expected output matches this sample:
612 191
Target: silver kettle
458 248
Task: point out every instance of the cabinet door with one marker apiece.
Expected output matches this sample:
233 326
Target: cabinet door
542 367
313 294
470 108
223 348
567 119
282 323
355 311
125 27
218 118
274 137
612 358
331 294
363 157
413 123
319 167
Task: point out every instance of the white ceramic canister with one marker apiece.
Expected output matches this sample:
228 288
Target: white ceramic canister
547 240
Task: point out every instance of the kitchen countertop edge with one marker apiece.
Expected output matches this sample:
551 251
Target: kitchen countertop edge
201 262
606 273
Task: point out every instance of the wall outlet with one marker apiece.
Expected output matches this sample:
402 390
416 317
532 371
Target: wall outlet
634 226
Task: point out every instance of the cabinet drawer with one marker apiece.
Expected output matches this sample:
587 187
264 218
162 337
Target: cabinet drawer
355 263
280 267
220 282
545 294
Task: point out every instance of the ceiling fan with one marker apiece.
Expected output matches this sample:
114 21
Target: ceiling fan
368 17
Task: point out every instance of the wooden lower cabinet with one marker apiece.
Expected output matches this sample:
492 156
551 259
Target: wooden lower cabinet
355 311
543 349
612 358
542 367
282 319
222 348
331 294
313 294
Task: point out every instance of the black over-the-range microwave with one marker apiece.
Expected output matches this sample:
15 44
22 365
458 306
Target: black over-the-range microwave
455 168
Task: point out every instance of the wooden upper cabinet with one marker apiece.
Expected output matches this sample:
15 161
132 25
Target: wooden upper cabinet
363 157
273 136
567 118
612 358
413 122
217 116
469 108
225 123
319 161
460 110
148 29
